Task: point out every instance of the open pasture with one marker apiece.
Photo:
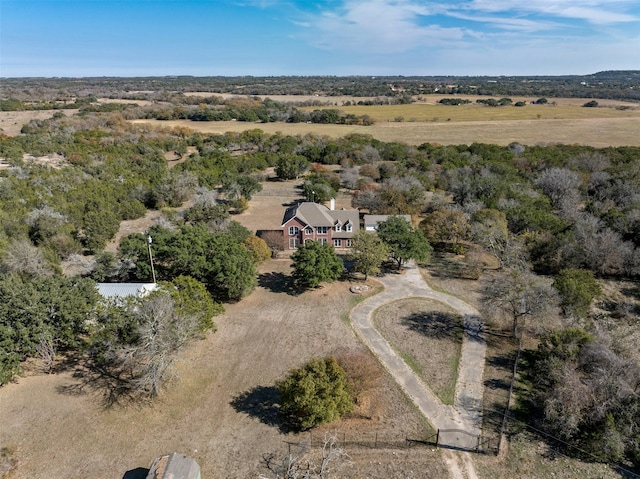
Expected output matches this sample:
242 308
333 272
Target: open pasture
596 132
561 120
435 112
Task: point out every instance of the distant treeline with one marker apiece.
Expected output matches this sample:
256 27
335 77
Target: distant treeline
619 85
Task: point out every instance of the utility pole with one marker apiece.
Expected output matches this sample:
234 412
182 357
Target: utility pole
153 271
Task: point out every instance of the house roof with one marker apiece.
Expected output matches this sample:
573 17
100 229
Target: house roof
375 219
174 466
314 214
124 290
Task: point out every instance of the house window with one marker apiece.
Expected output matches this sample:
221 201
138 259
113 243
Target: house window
293 230
308 231
349 243
322 240
337 243
348 227
293 243
321 230
338 227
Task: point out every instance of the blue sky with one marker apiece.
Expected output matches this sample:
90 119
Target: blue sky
330 37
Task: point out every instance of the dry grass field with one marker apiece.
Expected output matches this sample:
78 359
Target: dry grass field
564 109
428 122
596 132
11 122
428 335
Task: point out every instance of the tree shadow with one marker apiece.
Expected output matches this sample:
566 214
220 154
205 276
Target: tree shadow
473 331
277 283
261 402
435 324
632 291
137 473
113 384
503 361
496 384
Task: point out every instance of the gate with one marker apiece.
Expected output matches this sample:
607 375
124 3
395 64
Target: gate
461 440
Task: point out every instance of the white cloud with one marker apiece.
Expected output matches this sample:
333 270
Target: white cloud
593 11
507 23
380 26
480 36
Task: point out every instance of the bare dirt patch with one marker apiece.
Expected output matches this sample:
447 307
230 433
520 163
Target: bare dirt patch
428 335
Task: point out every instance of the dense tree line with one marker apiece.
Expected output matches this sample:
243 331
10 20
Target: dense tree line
621 85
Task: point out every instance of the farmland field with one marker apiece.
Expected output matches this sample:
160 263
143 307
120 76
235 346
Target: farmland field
561 120
596 132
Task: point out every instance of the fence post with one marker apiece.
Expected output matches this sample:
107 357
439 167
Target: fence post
376 446
478 445
437 437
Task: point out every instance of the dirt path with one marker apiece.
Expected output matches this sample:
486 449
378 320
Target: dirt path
466 413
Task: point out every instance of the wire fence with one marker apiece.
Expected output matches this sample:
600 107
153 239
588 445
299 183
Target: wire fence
374 440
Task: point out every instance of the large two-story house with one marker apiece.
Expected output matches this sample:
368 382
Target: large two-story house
309 221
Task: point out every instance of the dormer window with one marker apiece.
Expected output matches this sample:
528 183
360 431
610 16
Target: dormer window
348 227
337 227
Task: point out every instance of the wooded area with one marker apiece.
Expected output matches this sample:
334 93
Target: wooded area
557 219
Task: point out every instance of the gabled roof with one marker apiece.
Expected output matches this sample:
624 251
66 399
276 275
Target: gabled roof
315 215
346 216
124 290
312 214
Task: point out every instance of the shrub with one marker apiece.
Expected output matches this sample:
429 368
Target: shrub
577 288
315 394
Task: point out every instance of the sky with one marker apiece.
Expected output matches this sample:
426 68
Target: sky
84 38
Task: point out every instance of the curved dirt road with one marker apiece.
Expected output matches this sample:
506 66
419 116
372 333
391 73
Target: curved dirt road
466 412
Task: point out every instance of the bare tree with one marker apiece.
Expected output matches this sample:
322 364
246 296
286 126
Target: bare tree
47 350
490 229
205 197
22 257
559 184
591 161
161 333
302 464
274 240
350 178
368 154
602 249
368 199
518 294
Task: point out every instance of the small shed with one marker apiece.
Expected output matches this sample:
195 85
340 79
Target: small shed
119 291
174 466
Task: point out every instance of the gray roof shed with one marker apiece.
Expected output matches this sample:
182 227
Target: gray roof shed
124 290
174 466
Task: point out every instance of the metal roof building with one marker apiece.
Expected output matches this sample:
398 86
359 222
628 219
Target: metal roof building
174 466
124 290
